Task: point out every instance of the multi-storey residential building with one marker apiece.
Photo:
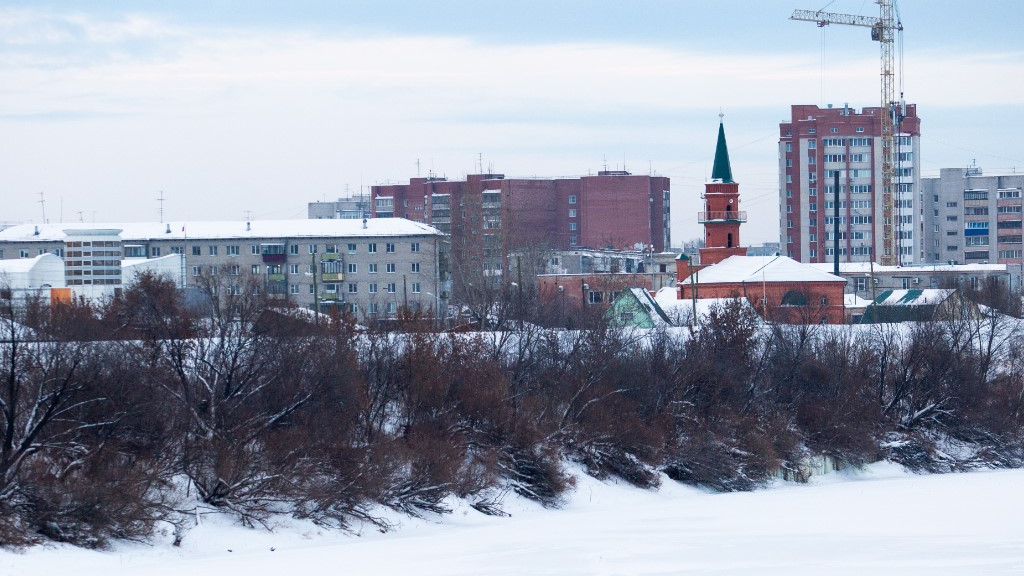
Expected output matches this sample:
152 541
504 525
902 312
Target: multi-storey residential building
813 146
973 218
488 215
372 267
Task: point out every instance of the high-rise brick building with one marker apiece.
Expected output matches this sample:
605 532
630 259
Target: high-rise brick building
488 216
817 142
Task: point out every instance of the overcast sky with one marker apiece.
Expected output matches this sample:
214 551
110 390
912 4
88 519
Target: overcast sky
256 107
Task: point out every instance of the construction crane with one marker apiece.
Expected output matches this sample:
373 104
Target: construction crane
883 31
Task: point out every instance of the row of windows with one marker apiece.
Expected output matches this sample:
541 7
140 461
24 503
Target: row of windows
293 249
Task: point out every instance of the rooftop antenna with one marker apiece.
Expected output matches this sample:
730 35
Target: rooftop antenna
80 219
248 215
604 162
417 167
42 206
161 201
480 161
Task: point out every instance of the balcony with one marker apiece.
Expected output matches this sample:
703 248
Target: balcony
329 257
275 277
721 216
332 277
274 258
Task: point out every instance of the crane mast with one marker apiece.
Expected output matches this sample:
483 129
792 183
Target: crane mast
883 31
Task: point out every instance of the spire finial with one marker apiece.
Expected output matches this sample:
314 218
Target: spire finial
721 116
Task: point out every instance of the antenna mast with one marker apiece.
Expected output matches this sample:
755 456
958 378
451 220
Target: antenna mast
161 201
42 206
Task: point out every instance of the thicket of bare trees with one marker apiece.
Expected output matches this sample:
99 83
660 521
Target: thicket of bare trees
119 419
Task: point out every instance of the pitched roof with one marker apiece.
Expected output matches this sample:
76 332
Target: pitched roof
255 229
924 297
736 269
722 169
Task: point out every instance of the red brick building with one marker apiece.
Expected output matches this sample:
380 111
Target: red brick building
780 288
489 216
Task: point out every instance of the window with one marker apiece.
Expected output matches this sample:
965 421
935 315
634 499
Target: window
232 250
975 194
234 270
572 240
389 247
311 290
1008 209
572 199
294 288
860 129
812 207
595 297
293 249
371 248
353 268
312 248
789 146
293 268
948 204
415 267
371 308
254 249
789 162
255 269
951 218
572 226
1009 224
373 287
415 287
789 208
372 268
391 287
392 307
812 191
415 247
572 212
1008 193
153 252
390 267
351 248
789 223
811 131
197 251
834 130
789 192
353 288
213 270
196 271
860 284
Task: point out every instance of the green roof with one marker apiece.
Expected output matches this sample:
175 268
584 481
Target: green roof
722 170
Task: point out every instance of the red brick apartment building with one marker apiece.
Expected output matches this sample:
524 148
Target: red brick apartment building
488 215
817 142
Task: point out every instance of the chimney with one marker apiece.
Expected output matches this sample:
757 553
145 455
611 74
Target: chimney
248 226
168 231
364 223
36 232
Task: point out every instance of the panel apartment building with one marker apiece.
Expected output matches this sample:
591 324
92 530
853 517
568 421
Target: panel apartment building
368 268
488 216
973 218
816 143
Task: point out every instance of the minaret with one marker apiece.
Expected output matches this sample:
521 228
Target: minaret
721 216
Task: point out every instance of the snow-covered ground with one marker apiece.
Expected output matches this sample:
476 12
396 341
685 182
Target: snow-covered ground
881 521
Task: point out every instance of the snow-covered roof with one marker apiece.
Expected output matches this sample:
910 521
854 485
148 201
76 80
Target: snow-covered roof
869 268
925 297
761 269
681 312
210 229
855 301
24 265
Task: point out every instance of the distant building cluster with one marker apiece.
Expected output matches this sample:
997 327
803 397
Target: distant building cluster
366 268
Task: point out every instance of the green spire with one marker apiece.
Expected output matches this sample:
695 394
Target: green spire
721 170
